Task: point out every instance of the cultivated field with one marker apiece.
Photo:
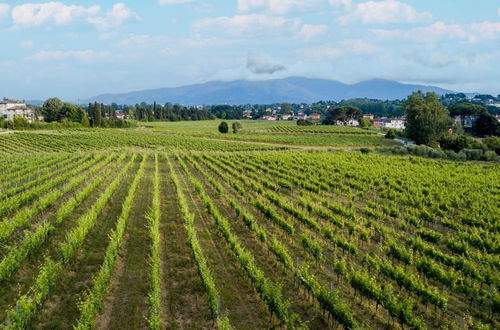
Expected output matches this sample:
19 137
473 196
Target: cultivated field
175 226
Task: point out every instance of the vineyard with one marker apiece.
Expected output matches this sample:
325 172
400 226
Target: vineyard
132 229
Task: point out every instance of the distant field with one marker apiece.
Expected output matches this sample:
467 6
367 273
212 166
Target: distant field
173 226
201 136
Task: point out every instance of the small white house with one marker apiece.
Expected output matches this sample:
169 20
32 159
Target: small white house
10 108
395 123
350 122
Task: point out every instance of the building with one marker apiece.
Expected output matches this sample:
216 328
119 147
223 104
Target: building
315 116
10 108
396 123
368 117
350 122
120 114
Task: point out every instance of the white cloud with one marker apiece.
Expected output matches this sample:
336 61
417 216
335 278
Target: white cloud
4 10
246 24
58 55
309 31
382 12
139 40
342 49
441 31
274 6
118 15
50 12
347 4
173 2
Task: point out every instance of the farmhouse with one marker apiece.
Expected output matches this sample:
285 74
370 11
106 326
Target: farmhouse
396 123
10 108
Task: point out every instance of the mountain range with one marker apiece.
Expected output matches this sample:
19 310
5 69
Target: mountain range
292 90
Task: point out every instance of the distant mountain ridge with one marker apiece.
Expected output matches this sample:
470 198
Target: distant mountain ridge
292 90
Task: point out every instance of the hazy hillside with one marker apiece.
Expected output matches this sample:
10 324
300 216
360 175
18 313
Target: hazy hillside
293 89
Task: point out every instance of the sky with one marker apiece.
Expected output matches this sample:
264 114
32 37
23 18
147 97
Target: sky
78 49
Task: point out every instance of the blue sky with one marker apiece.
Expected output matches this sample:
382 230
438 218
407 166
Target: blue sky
77 49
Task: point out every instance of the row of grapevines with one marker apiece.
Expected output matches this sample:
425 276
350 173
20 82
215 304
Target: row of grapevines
26 306
91 302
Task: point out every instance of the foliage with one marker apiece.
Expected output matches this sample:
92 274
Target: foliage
236 126
343 114
223 127
391 134
426 118
486 125
52 110
304 122
456 142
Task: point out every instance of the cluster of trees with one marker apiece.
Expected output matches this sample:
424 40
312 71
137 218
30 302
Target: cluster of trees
105 116
177 112
167 112
224 127
342 114
428 122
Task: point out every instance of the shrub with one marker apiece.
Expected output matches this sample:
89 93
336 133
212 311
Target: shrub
391 134
223 127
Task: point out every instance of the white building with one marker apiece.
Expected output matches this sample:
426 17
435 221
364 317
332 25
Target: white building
350 122
9 109
395 123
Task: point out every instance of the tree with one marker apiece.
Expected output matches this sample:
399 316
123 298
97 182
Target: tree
236 126
466 110
426 118
342 114
85 121
51 109
72 112
304 122
96 115
365 123
486 125
223 128
456 142
19 122
391 134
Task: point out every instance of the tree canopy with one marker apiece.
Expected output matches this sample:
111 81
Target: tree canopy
342 114
223 127
426 118
52 109
486 125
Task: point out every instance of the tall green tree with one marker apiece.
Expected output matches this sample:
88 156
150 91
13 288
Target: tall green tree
72 112
486 125
51 109
85 121
426 118
96 115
